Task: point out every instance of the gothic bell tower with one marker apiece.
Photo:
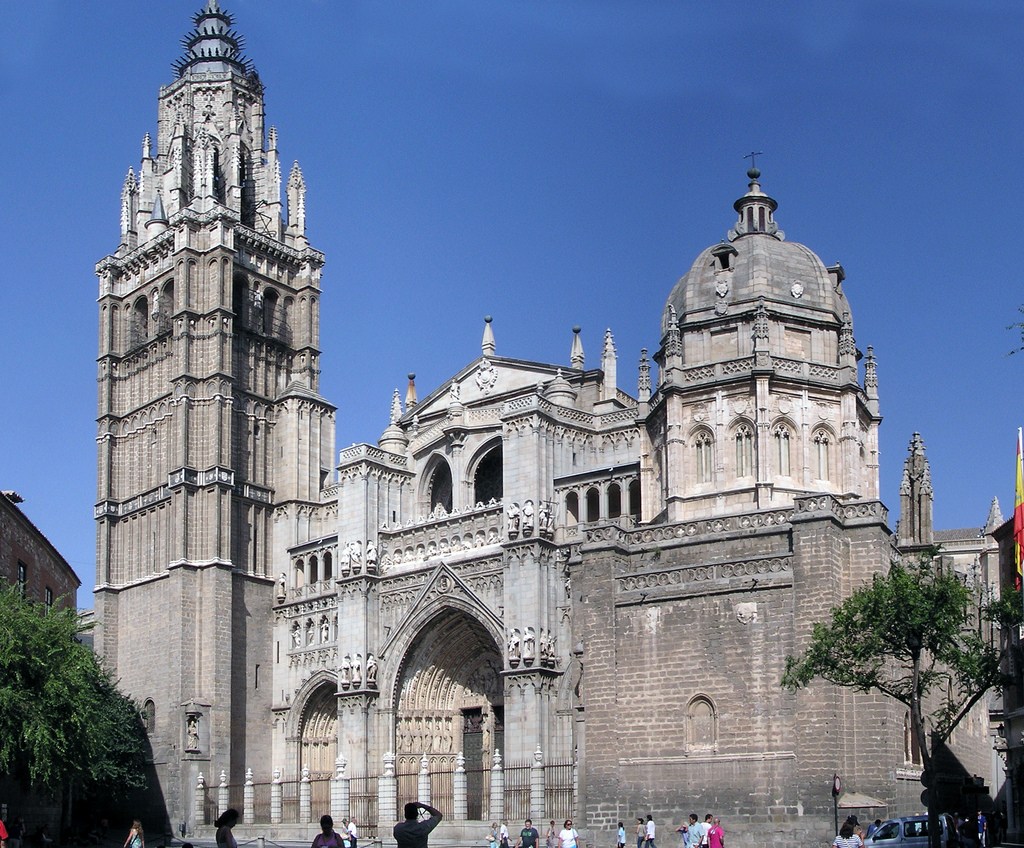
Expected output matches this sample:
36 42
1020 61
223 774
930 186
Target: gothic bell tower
210 423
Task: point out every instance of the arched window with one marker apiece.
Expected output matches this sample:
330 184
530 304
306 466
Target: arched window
911 750
314 570
614 501
139 330
441 487
488 480
270 313
300 573
704 455
701 724
165 308
744 451
328 566
822 448
149 716
593 504
781 436
572 508
634 499
239 300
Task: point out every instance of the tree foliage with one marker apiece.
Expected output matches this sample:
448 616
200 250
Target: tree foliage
63 723
919 635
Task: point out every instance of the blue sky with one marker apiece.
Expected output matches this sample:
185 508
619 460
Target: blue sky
550 163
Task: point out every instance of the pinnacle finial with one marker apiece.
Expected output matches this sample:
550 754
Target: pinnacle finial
576 358
410 391
487 345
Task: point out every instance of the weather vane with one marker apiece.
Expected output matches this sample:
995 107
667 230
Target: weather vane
752 156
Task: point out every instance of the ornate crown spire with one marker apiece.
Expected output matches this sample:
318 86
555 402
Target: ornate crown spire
213 46
756 210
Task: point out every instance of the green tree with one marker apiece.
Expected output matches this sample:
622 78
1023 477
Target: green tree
64 726
916 634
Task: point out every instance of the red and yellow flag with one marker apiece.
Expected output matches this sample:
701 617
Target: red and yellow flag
1018 508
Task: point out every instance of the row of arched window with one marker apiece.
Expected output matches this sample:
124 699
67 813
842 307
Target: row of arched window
148 320
264 312
313 569
603 501
488 481
703 442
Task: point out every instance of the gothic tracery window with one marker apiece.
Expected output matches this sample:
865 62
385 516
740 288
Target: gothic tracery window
487 480
781 437
704 450
701 724
822 444
744 451
441 487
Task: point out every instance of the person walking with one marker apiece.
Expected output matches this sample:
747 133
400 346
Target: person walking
847 838
413 832
327 837
641 833
353 833
528 836
693 832
620 836
228 819
551 838
649 831
716 836
568 837
135 838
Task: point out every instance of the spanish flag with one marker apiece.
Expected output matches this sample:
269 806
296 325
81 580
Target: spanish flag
1018 508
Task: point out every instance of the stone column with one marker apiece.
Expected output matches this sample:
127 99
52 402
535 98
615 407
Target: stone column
199 801
537 786
387 798
305 797
248 798
275 798
459 789
340 790
497 811
423 781
222 792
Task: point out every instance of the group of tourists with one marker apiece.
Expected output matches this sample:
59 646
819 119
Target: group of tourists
701 834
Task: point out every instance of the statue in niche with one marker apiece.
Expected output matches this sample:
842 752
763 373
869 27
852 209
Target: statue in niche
545 520
454 396
513 520
309 633
344 561
529 646
355 555
357 670
296 637
514 647
371 671
325 631
528 518
282 587
192 733
543 646
371 558
346 671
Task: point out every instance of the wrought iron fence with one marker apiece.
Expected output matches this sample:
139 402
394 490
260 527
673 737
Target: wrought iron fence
559 790
517 793
362 805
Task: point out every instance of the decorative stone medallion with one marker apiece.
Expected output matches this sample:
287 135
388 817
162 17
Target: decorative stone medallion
797 290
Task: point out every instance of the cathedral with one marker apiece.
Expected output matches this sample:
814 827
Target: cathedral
545 591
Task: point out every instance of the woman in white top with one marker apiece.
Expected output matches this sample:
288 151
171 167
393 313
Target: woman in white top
567 838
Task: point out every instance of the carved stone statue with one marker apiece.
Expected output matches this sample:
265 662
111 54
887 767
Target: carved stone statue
545 520
371 558
355 552
346 671
528 518
325 631
192 733
513 519
310 633
371 671
282 586
296 637
514 647
357 671
529 646
344 561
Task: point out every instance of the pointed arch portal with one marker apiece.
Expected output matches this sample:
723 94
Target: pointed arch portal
449 698
318 747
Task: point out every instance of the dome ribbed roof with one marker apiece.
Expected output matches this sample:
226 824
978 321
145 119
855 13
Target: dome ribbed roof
756 262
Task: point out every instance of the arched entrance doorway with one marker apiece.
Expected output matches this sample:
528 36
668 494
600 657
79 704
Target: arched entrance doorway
318 732
450 699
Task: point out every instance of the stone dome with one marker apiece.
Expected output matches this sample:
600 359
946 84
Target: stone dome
757 262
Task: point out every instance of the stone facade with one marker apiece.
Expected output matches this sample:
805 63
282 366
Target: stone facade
532 570
27 558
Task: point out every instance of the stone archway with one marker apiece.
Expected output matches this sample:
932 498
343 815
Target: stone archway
318 731
449 698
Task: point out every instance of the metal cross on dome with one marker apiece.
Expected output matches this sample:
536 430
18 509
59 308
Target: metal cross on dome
752 156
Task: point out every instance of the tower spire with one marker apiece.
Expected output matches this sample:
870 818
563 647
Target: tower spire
213 46
756 209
